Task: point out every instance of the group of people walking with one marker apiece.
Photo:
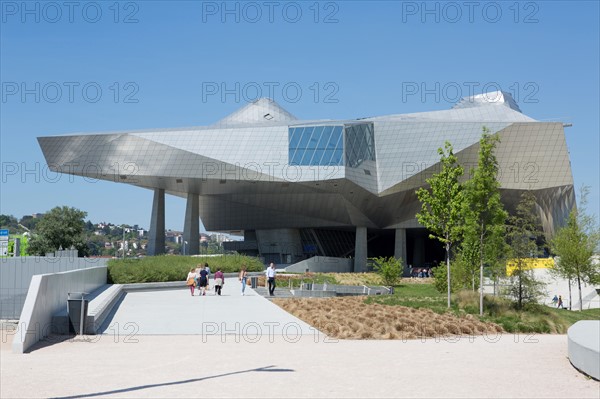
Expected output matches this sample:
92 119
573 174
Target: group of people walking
199 277
558 302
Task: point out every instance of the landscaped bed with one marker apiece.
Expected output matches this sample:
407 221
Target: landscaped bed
417 309
352 318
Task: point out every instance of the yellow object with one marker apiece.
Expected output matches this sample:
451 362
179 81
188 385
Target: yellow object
530 263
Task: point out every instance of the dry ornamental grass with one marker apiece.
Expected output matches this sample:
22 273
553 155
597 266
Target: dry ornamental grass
351 318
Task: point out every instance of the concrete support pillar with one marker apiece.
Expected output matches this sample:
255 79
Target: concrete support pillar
418 251
191 226
360 250
400 250
156 235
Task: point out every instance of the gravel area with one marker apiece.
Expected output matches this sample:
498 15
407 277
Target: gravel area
507 366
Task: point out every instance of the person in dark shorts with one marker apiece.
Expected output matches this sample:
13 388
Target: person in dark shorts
203 280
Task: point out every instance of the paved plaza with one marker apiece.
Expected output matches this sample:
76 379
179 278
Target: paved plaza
151 360
177 312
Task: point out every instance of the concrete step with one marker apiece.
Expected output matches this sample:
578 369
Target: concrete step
279 293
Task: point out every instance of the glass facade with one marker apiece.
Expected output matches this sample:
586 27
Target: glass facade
316 145
330 145
360 144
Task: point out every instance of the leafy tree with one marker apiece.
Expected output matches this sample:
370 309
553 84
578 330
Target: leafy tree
575 244
465 265
484 213
389 269
89 226
95 245
9 222
522 232
29 222
498 252
441 207
61 227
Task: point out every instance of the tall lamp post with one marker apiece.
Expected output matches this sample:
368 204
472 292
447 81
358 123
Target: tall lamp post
123 228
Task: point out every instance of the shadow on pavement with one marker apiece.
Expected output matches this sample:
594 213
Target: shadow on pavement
140 387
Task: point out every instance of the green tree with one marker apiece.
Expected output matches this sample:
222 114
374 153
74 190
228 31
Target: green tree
29 222
465 265
441 207
389 269
484 213
61 227
89 226
575 244
9 222
522 232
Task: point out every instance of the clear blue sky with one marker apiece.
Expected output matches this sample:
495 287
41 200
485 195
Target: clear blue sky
157 62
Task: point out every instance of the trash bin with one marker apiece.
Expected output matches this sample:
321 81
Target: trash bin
77 308
253 281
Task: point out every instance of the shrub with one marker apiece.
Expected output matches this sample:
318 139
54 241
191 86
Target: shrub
440 278
389 269
173 268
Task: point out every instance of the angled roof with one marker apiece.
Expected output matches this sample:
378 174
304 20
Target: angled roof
261 111
492 98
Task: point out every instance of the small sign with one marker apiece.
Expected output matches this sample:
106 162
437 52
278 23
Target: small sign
4 235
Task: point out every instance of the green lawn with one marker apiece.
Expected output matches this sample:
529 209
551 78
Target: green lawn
414 296
533 318
296 279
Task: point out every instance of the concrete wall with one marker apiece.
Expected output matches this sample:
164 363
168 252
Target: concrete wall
16 273
584 347
323 264
557 286
285 242
47 295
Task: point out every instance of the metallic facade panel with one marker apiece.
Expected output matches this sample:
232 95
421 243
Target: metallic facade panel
262 168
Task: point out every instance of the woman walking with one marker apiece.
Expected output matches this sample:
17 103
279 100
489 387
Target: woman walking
197 272
242 278
219 281
191 280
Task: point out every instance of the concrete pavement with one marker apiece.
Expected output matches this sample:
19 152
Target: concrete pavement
176 312
170 344
144 366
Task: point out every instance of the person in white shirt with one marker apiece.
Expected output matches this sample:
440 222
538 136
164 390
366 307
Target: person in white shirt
271 278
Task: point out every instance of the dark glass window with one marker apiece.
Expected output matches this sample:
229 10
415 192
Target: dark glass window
360 144
316 145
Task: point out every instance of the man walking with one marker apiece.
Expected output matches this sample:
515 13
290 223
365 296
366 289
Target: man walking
271 278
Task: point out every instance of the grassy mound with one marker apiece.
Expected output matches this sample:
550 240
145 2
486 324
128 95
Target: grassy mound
173 268
531 319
